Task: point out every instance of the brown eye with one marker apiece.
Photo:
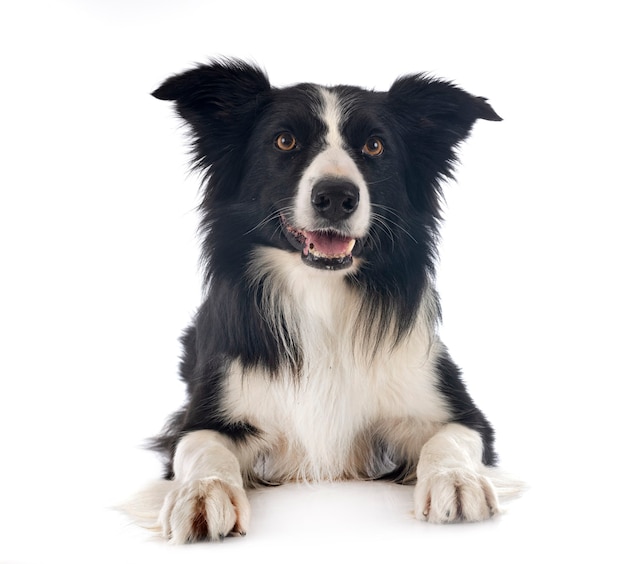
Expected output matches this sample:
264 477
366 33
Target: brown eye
373 147
285 142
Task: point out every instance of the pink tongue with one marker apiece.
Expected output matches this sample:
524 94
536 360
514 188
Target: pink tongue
328 244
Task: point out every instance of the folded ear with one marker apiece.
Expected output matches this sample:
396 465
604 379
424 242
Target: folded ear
218 101
434 117
429 102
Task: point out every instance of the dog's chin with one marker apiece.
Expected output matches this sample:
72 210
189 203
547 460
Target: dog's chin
324 249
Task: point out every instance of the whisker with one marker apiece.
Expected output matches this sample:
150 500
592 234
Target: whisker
380 181
380 220
271 217
392 222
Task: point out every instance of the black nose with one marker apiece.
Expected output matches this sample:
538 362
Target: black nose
335 199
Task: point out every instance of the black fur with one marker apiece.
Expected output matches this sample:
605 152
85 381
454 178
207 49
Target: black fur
233 113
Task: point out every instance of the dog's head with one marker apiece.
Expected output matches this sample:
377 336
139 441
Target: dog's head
347 178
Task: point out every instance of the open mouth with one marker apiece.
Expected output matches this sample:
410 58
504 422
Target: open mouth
327 249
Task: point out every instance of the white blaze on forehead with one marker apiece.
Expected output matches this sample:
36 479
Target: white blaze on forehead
332 115
333 161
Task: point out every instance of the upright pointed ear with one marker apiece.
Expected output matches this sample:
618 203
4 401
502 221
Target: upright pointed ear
434 117
219 101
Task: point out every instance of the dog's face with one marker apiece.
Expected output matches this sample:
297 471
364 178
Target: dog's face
320 155
346 178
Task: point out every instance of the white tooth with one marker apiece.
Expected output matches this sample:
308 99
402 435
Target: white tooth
351 246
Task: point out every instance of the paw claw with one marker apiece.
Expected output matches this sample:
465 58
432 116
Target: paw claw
204 509
451 495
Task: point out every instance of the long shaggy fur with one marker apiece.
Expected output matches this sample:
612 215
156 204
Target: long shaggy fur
315 354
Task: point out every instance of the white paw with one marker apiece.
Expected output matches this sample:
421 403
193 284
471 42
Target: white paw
448 495
204 509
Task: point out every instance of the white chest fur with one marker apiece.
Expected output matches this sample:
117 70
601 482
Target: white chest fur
309 423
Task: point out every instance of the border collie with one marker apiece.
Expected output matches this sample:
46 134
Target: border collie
315 355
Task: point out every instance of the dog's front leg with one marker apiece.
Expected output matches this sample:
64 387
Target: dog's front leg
452 482
208 499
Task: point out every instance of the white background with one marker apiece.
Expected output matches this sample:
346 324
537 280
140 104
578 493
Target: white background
99 267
